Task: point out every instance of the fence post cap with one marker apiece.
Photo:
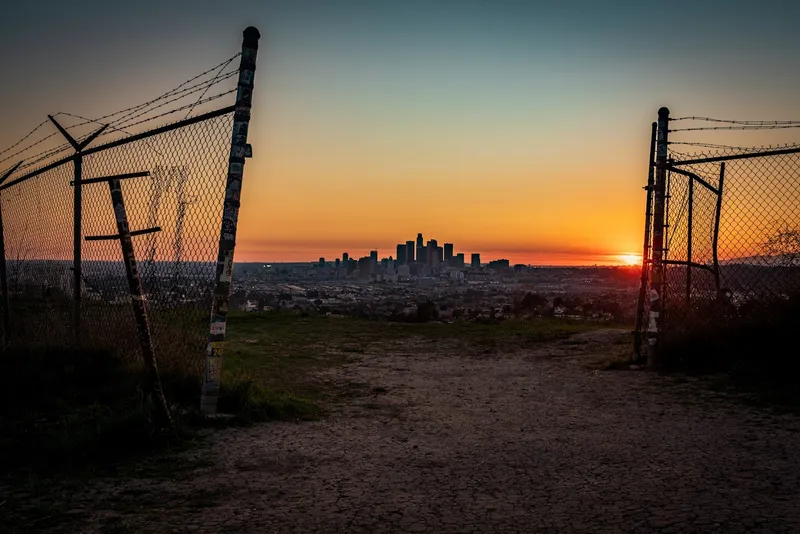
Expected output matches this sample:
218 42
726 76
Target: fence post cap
251 35
663 113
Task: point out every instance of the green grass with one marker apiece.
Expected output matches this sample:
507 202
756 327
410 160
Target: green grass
64 408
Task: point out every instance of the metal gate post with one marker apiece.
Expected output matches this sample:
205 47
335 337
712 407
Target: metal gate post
657 266
648 217
230 218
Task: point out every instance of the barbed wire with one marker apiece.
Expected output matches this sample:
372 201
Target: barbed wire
211 83
731 121
23 139
126 118
743 127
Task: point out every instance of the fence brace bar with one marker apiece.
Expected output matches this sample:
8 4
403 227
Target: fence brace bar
715 240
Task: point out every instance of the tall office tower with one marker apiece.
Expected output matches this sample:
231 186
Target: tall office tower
385 263
409 252
421 256
336 263
476 260
448 253
459 261
345 257
430 253
420 242
401 253
373 256
440 254
322 262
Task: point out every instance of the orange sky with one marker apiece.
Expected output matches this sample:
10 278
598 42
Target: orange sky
517 131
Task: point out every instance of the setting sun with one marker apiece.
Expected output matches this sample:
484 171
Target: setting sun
630 259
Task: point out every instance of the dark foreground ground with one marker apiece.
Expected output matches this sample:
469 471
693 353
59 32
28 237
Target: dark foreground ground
441 438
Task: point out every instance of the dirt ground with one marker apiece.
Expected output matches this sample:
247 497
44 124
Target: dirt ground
442 441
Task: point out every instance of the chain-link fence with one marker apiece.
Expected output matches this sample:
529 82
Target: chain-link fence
731 248
66 283
748 259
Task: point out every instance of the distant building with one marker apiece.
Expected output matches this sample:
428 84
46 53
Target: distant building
322 262
476 260
430 252
448 253
499 264
364 267
409 252
440 254
345 257
420 242
401 253
336 263
373 255
458 261
421 254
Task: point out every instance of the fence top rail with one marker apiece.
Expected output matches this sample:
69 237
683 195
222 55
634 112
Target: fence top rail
746 155
120 142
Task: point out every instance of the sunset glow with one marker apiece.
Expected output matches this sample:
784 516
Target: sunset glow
630 259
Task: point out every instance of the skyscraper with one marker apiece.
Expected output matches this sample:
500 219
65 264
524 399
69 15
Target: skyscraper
373 256
401 253
409 252
440 254
448 253
336 263
322 262
431 253
476 260
345 257
459 260
420 242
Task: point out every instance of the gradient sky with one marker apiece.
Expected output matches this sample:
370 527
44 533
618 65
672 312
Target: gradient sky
517 129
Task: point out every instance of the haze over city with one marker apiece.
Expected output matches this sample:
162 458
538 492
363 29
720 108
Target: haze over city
516 129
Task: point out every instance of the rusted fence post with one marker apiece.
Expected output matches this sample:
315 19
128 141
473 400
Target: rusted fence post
657 271
230 217
648 218
137 299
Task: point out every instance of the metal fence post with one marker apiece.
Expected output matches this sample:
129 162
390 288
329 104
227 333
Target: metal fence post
715 238
689 223
77 205
657 266
77 220
648 217
6 308
230 217
137 298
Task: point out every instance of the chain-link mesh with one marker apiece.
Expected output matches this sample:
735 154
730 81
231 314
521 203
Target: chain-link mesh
37 228
757 263
182 197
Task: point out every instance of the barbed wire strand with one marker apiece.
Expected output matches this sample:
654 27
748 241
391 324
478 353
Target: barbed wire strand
210 84
731 121
751 127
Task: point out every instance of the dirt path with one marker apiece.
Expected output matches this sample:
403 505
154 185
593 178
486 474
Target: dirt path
526 442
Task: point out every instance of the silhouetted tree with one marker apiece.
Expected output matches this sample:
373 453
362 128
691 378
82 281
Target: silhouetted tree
783 245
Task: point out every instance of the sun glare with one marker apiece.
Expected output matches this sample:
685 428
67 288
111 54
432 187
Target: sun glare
630 259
